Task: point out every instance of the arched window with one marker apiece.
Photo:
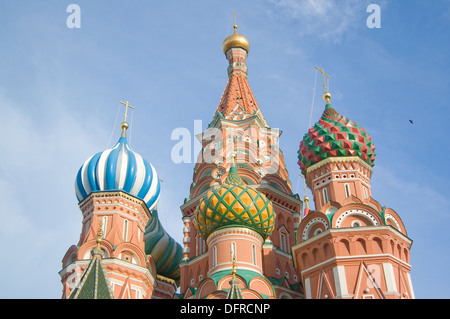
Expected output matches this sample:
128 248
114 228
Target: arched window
356 223
254 254
214 256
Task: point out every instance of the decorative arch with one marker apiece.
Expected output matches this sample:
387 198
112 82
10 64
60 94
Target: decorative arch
273 180
360 247
131 248
368 216
224 282
261 285
394 220
328 251
249 175
83 252
313 222
344 247
206 287
305 260
71 253
377 246
201 171
204 184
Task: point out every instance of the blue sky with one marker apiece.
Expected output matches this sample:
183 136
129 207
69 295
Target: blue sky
60 90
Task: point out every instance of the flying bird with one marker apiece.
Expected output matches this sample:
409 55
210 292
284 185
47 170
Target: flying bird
411 121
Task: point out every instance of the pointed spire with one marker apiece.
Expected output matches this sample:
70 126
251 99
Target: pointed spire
94 283
237 102
233 177
235 291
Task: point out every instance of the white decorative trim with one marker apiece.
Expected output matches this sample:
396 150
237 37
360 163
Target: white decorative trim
389 216
307 288
389 276
311 223
340 281
348 213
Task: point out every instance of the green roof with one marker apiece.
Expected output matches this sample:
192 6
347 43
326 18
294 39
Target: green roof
94 283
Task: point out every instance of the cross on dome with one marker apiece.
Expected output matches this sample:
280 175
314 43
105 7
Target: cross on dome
326 95
124 124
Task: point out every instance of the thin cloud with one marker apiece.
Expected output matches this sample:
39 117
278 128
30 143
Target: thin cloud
323 18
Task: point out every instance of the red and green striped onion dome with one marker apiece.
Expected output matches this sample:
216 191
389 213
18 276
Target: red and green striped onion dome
335 136
234 204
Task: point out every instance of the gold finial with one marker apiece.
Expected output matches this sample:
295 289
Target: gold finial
235 40
235 17
326 95
124 125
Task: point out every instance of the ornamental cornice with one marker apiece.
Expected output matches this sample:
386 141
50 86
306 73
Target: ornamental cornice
345 159
233 230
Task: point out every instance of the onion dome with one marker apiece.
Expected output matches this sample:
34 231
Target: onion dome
166 252
335 136
119 169
235 40
234 204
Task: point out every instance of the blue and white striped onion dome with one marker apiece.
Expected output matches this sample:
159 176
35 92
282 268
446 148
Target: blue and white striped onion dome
119 169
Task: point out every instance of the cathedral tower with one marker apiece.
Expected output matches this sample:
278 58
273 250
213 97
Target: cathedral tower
118 191
350 246
241 199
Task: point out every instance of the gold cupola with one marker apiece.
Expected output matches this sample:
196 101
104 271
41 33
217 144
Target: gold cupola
236 40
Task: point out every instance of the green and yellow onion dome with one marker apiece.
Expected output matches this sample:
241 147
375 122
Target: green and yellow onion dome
234 204
335 136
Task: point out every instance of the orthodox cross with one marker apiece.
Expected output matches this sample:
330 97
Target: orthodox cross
235 16
127 105
324 80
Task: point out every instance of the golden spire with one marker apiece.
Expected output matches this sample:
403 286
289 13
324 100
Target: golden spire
99 237
233 266
97 251
326 95
124 125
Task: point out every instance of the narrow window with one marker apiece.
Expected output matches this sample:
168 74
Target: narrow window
325 196
254 254
214 257
233 250
283 242
365 192
125 230
347 190
200 246
104 225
